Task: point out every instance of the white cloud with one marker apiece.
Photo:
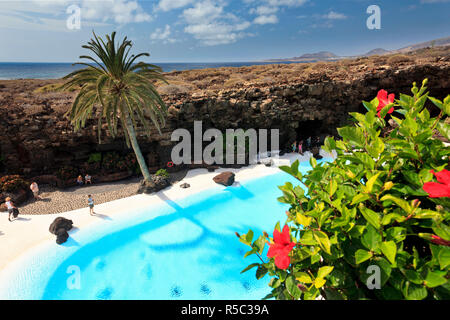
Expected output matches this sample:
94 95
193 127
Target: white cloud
208 22
267 8
51 14
335 16
163 35
167 5
272 19
263 10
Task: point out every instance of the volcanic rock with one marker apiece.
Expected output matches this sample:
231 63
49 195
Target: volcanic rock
225 178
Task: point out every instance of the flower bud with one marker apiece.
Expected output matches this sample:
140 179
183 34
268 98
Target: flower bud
415 203
237 234
266 234
302 287
439 208
439 241
388 185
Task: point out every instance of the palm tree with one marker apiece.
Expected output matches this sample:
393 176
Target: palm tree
116 89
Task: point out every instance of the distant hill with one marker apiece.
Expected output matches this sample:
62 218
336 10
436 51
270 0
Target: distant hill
310 57
378 51
432 43
329 56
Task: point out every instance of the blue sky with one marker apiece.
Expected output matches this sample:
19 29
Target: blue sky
217 30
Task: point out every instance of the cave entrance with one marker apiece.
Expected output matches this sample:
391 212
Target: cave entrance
309 128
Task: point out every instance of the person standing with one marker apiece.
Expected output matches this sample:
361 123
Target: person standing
294 146
308 143
91 205
300 147
10 206
35 189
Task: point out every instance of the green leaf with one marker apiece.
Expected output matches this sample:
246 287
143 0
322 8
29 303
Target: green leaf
362 255
353 134
260 243
249 236
413 291
370 183
371 216
360 197
324 271
435 279
444 129
400 202
313 162
261 272
323 240
396 234
292 288
389 249
371 239
444 257
445 107
250 267
413 276
319 282
303 277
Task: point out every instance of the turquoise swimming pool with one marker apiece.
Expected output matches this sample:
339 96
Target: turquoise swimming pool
182 250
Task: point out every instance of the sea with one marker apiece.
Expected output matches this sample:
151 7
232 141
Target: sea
38 70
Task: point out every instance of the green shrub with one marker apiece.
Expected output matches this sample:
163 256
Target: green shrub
368 212
162 173
95 158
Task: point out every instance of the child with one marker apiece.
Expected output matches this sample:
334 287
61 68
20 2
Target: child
294 146
10 206
35 189
91 205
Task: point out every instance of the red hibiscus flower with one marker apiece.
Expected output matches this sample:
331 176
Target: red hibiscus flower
281 248
439 190
383 100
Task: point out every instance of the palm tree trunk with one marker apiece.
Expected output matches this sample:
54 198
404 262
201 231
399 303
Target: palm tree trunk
137 150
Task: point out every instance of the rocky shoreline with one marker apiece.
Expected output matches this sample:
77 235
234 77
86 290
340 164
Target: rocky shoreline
298 99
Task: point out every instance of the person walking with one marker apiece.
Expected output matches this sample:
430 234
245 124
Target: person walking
10 207
300 147
308 143
35 189
91 205
294 147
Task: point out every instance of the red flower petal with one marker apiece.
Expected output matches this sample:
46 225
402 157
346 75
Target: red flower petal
282 261
436 190
382 98
274 249
442 176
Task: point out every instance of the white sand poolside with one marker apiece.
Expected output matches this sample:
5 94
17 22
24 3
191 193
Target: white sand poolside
18 238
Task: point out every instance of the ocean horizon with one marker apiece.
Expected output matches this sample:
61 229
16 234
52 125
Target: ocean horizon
57 70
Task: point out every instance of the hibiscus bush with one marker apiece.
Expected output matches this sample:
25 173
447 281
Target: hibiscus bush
12 183
374 223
